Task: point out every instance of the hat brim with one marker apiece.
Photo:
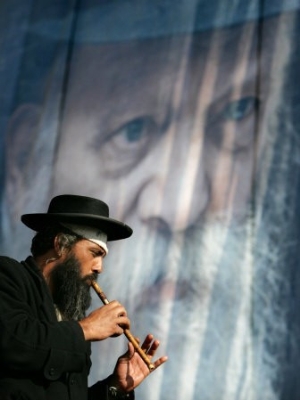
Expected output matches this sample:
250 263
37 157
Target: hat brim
114 229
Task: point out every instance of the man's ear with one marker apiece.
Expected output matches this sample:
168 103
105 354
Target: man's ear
20 152
58 245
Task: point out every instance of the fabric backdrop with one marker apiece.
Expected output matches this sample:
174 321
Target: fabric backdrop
183 116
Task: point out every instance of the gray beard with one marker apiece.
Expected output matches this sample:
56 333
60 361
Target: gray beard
71 293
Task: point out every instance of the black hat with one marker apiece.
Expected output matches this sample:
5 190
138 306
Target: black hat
78 210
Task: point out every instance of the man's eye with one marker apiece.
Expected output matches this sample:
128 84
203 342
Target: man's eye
134 130
239 109
99 253
232 126
123 148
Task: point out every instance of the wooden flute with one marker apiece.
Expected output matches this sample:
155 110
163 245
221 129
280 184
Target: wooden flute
127 332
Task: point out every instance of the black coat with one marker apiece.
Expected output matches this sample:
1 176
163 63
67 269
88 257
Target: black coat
40 358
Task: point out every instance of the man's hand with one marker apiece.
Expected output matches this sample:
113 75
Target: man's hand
131 370
109 320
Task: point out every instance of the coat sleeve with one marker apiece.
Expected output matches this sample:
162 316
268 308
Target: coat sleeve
100 391
30 339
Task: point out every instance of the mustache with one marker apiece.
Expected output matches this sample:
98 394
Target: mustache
90 277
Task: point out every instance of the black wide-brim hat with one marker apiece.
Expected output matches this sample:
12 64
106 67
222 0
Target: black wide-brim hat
80 210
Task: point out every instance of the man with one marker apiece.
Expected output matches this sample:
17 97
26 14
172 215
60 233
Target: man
45 335
184 149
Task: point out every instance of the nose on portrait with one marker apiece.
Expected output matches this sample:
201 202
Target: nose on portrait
174 199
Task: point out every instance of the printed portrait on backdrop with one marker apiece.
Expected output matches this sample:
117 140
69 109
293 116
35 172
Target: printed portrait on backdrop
186 124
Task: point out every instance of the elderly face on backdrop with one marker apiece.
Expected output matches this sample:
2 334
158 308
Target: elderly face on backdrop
178 133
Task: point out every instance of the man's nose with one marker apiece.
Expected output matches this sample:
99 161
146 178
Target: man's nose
98 266
176 194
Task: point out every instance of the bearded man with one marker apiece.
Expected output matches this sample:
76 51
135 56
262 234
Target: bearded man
45 334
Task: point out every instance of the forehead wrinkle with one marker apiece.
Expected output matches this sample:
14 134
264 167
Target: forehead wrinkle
143 88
